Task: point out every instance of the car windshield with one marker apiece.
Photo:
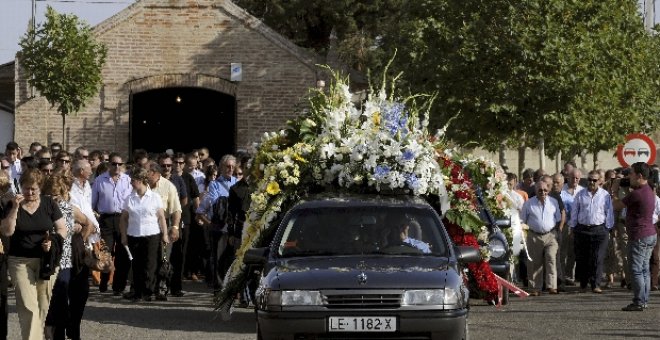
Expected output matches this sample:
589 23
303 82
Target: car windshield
362 230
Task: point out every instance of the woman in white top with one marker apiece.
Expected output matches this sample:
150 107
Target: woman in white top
142 226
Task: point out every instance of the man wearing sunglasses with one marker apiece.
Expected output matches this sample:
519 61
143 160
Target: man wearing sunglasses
541 213
110 191
592 218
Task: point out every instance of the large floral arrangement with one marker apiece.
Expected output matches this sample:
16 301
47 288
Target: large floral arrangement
466 173
380 144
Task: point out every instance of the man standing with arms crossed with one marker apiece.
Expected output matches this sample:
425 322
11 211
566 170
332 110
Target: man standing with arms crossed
642 236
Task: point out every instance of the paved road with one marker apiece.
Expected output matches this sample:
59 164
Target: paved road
567 316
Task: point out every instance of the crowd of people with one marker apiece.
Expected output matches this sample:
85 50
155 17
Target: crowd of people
588 231
165 217
174 216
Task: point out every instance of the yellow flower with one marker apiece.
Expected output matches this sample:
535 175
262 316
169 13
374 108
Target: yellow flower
298 158
376 118
273 188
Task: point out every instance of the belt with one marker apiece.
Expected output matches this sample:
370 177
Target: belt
110 214
547 232
589 226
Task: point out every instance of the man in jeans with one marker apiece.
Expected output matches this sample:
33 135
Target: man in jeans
642 236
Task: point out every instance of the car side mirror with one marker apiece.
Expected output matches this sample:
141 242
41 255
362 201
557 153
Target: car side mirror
467 254
256 256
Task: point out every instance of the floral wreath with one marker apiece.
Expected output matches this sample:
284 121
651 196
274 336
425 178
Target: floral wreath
378 145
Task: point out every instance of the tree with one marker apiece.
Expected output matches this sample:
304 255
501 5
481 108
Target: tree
314 24
578 74
63 62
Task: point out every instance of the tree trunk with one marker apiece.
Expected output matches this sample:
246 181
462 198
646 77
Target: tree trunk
521 161
63 132
541 154
596 161
502 158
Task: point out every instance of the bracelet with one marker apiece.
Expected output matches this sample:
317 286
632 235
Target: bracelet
175 227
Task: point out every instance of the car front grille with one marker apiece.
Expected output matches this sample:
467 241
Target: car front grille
362 300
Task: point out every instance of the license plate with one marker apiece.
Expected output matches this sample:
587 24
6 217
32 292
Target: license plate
362 324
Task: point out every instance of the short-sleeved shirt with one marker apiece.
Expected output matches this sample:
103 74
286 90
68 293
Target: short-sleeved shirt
640 206
31 229
143 213
169 196
541 218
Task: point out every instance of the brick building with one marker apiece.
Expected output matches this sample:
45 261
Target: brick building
166 82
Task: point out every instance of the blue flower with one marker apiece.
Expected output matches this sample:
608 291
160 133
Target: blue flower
381 171
412 181
408 155
395 118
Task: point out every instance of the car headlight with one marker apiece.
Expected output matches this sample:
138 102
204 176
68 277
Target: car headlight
301 298
497 248
445 296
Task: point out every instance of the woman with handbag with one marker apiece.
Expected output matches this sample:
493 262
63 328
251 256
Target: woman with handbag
29 218
142 227
71 287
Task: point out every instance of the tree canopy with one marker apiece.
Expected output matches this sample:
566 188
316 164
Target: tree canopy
580 74
63 61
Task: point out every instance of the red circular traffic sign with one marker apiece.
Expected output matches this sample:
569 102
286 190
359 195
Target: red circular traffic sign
638 148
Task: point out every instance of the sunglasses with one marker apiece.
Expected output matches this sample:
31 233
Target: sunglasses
166 165
116 164
45 158
180 162
65 161
593 180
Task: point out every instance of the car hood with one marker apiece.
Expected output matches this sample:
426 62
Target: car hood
363 272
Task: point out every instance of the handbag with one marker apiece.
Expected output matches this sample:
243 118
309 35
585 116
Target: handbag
165 272
99 258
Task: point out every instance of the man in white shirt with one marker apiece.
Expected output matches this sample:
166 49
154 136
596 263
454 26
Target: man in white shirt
567 254
13 153
81 194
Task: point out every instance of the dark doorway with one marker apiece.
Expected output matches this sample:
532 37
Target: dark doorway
183 119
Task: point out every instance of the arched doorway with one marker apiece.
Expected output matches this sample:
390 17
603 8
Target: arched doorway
183 119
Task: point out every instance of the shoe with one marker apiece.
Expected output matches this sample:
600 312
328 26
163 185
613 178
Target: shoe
633 308
597 290
177 294
116 293
623 283
569 282
103 287
608 285
552 291
161 297
655 288
147 298
194 278
583 289
535 293
562 289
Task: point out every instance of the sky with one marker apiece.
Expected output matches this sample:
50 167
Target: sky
15 17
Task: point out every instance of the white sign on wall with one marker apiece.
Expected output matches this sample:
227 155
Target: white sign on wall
236 72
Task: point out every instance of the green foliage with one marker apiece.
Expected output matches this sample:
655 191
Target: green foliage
63 61
580 74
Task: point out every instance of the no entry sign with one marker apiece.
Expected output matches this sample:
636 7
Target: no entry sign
638 148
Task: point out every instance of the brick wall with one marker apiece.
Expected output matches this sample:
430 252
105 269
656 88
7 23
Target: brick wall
155 44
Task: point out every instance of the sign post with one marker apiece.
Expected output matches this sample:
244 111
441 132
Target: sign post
638 148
